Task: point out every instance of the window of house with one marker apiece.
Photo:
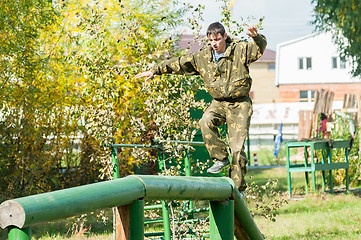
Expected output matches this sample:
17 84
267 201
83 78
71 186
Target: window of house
307 95
334 62
342 63
271 67
305 63
300 63
338 63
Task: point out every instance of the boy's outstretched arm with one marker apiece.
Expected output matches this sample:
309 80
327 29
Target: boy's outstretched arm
147 74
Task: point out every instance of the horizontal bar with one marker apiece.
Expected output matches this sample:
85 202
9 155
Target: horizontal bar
305 169
187 142
157 146
320 144
331 166
153 221
45 207
152 207
135 146
153 234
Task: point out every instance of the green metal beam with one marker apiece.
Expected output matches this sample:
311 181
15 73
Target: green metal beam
245 216
221 216
26 211
136 220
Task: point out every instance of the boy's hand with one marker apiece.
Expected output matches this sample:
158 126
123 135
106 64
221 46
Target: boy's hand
252 31
147 74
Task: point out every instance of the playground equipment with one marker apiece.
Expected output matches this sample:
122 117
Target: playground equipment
18 215
199 152
326 163
186 162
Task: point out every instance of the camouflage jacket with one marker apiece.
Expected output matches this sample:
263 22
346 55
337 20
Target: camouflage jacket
229 77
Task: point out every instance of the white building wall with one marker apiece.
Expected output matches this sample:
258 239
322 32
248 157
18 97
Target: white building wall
321 49
267 118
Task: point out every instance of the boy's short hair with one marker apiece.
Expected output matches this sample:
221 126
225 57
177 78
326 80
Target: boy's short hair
216 28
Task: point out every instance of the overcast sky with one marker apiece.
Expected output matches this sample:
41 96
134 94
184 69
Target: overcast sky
284 19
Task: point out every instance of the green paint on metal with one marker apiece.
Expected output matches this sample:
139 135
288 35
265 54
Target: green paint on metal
166 222
221 217
152 207
326 164
115 162
185 188
246 218
19 234
136 219
72 201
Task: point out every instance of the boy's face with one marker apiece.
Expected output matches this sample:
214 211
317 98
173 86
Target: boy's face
218 42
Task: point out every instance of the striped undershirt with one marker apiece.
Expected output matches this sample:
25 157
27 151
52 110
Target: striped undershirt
217 56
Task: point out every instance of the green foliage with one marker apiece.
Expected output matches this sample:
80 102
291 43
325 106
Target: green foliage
343 19
67 86
344 129
37 124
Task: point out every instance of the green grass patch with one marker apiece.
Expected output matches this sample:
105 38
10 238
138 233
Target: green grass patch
318 216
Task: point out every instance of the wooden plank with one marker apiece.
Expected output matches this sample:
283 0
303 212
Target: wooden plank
305 124
329 104
122 223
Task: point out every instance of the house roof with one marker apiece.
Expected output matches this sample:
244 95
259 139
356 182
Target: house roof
268 56
187 40
297 39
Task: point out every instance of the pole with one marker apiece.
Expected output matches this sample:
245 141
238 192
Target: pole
166 221
136 219
115 162
221 216
19 234
188 173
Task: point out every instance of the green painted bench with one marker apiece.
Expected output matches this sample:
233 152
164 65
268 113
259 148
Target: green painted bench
326 163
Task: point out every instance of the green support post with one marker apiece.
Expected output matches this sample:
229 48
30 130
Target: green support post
188 173
323 171
19 234
187 164
289 182
221 216
116 175
329 159
136 220
166 221
115 162
165 208
161 157
347 171
313 172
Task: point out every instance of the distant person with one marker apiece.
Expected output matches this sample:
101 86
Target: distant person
323 127
223 65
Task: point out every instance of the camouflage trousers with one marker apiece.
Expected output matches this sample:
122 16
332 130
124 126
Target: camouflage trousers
237 115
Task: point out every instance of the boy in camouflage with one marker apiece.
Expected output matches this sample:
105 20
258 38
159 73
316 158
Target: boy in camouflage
223 65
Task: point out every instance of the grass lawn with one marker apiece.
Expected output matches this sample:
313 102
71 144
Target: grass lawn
313 216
